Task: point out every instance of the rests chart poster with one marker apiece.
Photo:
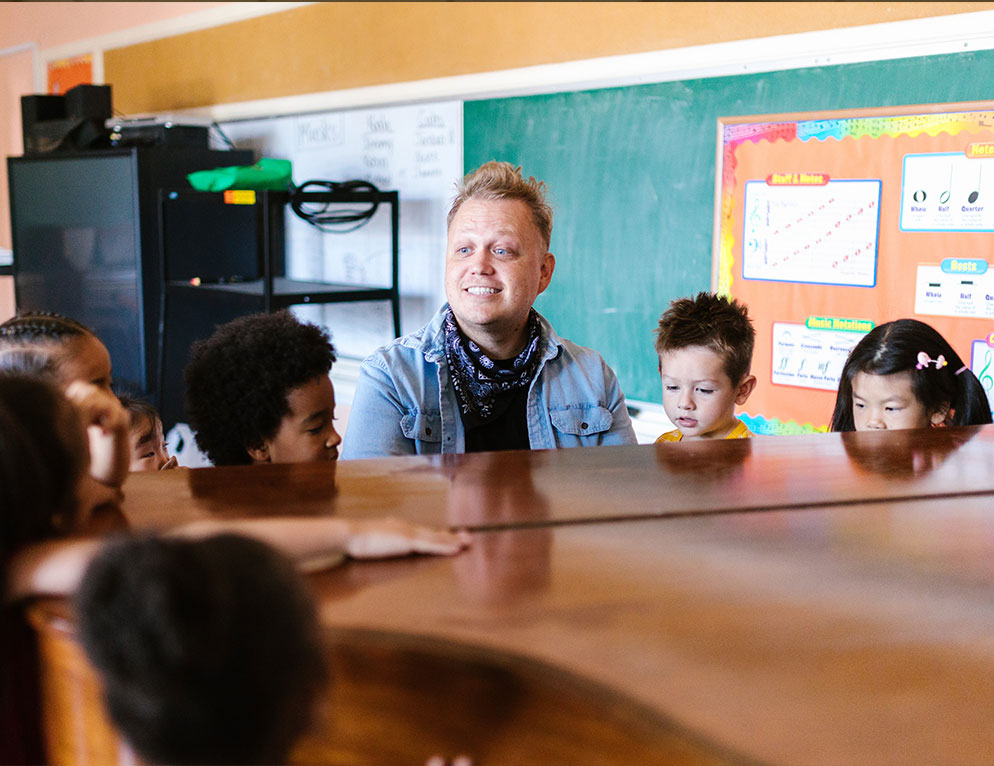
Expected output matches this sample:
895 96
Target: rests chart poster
830 224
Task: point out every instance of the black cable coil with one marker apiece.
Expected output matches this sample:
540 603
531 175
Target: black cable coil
322 216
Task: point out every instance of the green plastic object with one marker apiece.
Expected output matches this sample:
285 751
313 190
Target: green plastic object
265 174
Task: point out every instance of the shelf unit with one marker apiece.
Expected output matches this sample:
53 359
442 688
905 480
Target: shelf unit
224 258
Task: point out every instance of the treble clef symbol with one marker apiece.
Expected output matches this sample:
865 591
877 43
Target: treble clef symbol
986 380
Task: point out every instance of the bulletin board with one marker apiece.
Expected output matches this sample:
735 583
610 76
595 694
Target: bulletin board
831 223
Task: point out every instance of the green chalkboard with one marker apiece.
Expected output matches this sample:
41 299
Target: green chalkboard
631 175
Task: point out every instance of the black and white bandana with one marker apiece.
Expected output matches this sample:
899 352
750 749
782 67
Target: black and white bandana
480 382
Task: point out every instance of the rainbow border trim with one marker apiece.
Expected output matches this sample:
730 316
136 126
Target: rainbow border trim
762 426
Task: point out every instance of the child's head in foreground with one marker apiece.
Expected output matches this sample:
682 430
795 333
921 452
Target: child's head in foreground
208 650
146 440
705 351
903 374
258 391
43 459
56 345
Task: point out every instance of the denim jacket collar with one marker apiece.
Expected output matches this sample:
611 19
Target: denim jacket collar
431 340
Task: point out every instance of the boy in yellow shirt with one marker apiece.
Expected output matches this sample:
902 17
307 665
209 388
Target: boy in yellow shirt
705 352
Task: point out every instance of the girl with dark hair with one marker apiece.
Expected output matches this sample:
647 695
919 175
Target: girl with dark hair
903 374
67 349
43 460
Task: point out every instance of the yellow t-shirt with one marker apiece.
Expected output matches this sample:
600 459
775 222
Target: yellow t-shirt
739 432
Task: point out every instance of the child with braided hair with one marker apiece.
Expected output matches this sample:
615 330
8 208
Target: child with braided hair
67 349
71 356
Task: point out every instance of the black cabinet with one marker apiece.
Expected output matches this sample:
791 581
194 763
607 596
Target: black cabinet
224 258
86 242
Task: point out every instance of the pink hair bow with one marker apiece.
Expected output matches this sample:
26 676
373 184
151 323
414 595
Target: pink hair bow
925 361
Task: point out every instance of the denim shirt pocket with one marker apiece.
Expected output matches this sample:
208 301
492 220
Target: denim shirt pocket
581 419
424 426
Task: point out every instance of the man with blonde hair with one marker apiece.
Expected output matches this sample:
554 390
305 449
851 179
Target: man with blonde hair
488 372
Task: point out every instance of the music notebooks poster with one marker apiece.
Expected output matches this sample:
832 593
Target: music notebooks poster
830 225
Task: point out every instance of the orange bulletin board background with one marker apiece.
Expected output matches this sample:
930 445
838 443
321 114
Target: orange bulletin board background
68 73
832 223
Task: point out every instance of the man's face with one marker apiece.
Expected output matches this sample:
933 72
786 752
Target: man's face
496 265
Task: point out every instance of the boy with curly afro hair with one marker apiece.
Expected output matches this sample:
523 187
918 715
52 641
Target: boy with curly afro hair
258 391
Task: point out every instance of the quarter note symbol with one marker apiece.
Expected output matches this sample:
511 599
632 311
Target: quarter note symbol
975 194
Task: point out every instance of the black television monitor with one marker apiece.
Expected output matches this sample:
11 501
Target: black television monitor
77 251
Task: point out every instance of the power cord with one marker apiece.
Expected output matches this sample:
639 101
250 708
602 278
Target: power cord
222 134
321 215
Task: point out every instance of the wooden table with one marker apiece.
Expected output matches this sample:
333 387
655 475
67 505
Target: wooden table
819 599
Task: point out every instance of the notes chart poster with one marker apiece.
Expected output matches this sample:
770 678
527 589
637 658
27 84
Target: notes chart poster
830 225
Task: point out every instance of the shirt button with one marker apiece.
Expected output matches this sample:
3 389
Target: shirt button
583 426
427 432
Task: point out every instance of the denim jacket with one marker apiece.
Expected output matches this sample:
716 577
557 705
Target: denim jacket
405 404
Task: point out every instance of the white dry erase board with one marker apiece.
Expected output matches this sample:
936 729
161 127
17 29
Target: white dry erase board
414 149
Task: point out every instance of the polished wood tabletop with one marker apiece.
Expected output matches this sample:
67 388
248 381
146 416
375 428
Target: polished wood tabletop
840 635
519 488
818 599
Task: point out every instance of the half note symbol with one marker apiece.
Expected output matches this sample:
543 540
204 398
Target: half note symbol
944 197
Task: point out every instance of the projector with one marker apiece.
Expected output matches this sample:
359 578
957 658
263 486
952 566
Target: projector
156 131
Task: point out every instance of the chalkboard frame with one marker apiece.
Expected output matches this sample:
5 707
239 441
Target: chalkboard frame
613 303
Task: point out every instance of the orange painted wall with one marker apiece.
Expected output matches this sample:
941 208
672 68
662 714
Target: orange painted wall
336 45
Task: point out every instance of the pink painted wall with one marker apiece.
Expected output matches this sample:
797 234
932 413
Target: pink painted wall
47 25
51 24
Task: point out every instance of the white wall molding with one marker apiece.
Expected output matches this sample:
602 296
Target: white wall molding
34 50
874 42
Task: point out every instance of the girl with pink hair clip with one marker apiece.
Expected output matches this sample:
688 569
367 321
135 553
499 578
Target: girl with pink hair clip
904 374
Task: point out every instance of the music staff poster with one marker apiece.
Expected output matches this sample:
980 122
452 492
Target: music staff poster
832 223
